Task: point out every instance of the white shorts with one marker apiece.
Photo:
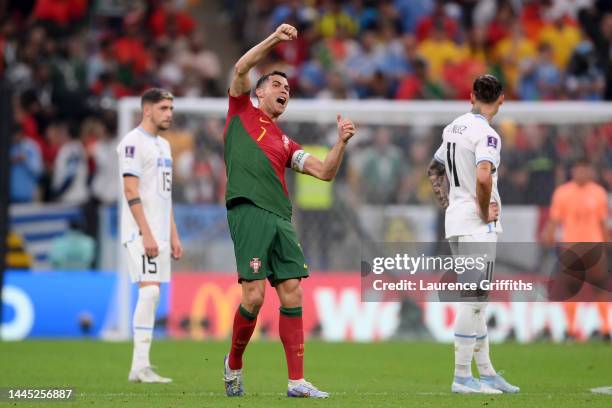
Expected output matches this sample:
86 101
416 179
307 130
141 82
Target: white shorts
145 269
476 245
485 243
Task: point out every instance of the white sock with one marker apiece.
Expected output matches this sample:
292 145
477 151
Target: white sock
144 320
465 339
481 349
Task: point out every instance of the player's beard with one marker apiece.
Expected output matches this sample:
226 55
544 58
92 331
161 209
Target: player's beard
161 126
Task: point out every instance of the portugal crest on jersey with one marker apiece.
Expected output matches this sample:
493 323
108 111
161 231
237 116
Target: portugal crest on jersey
255 265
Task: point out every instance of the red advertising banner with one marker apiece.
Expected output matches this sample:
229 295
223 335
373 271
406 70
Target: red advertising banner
202 306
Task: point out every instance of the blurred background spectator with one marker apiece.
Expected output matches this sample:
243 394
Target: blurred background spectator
69 173
26 168
381 167
73 250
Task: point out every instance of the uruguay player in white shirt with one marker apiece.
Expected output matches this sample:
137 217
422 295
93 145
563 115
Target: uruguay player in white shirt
469 158
148 231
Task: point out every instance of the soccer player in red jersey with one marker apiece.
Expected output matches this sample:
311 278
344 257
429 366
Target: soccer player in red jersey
259 210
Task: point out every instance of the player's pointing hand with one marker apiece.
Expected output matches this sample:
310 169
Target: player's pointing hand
346 128
286 32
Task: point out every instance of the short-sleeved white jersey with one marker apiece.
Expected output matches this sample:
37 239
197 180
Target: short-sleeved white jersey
149 158
467 141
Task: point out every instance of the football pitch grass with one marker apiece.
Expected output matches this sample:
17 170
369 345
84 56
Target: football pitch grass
393 374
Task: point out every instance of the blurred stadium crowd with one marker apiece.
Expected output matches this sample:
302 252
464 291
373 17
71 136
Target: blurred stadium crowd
430 49
70 60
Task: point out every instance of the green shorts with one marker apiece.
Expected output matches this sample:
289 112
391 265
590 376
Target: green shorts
265 245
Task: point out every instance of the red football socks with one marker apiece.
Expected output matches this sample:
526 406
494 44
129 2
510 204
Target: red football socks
244 325
292 335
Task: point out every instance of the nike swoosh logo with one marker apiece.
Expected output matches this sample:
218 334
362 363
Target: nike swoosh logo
262 120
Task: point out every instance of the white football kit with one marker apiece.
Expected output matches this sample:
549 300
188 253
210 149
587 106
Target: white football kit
149 158
467 141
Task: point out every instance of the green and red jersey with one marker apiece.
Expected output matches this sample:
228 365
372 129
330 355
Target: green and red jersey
257 152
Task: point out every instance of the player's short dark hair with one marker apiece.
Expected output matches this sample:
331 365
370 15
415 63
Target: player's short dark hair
155 95
487 88
264 78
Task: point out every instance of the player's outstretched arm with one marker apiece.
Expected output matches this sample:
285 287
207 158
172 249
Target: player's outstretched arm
326 170
437 177
131 190
240 80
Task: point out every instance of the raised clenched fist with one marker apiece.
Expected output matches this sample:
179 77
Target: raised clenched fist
286 32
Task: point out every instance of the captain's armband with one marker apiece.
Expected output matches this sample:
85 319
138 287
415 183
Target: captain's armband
298 160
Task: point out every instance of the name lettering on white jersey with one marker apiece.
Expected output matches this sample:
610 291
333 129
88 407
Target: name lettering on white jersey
459 129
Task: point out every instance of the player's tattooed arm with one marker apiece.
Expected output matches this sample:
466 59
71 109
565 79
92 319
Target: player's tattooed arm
437 177
240 83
